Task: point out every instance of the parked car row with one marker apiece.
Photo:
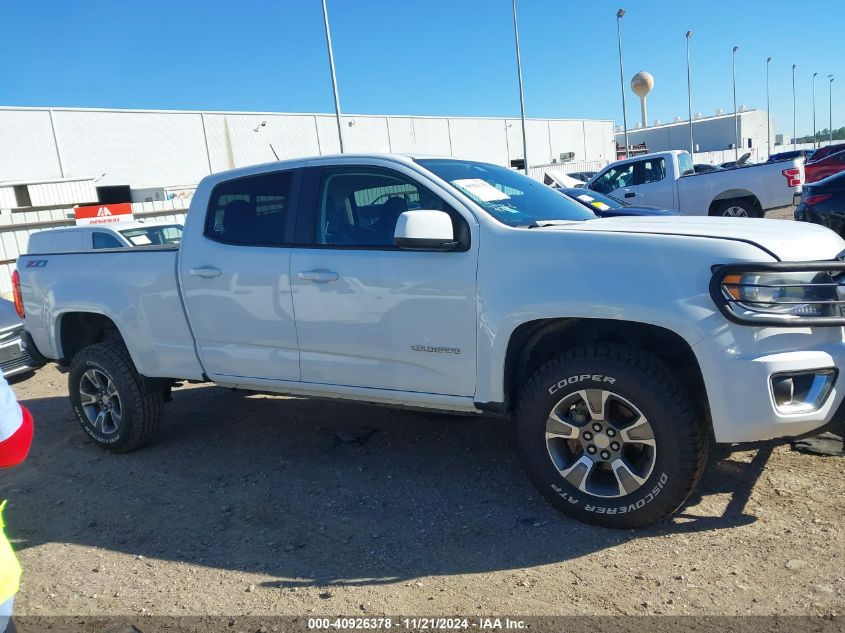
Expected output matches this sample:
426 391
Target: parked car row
668 180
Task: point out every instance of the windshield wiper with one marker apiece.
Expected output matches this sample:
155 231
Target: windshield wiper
535 224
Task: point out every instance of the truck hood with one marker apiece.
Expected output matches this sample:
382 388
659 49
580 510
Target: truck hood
788 240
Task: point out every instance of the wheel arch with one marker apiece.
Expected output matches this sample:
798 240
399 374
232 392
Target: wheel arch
734 194
535 342
76 330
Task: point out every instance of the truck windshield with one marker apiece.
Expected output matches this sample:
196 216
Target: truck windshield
511 198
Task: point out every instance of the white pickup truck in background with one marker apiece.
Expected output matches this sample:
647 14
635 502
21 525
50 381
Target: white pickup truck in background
618 346
667 180
76 239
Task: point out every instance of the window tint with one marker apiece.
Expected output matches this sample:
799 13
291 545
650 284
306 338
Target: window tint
654 170
106 240
359 206
614 178
251 210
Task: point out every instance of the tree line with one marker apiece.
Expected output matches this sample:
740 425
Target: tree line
823 135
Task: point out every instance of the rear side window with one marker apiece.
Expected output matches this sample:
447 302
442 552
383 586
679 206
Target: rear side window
653 170
106 240
250 211
685 165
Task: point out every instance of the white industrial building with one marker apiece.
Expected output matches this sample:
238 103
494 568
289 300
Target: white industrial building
710 133
156 148
52 159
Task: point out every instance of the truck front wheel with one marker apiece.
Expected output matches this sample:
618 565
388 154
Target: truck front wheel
109 399
609 437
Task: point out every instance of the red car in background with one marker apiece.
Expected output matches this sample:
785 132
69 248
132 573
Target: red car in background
827 150
831 164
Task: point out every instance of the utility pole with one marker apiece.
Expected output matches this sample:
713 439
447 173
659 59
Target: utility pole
619 15
815 145
689 98
794 66
736 114
521 95
768 110
334 77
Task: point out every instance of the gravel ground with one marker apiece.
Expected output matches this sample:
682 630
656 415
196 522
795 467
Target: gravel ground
254 504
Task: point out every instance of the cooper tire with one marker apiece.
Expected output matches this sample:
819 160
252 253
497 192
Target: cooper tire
639 483
109 400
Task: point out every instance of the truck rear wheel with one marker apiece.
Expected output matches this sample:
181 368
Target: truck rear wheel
737 208
608 437
109 399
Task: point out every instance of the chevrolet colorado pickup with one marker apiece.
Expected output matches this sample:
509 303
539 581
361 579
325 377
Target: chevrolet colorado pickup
668 180
618 346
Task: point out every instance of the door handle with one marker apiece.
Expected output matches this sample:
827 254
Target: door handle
630 194
318 276
206 272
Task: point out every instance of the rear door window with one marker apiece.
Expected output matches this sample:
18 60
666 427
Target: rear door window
250 211
651 170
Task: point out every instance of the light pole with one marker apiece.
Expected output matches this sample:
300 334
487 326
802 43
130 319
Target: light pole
521 97
794 66
334 77
736 114
619 15
830 109
814 109
689 98
768 111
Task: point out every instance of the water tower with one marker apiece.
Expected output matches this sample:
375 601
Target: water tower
641 84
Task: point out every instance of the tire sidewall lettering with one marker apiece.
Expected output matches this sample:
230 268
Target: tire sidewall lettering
598 378
80 414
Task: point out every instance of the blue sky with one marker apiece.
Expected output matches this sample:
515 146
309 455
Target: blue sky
419 57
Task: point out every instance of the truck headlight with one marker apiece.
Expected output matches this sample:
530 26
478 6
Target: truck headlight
782 293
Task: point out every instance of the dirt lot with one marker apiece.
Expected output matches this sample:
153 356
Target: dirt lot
257 504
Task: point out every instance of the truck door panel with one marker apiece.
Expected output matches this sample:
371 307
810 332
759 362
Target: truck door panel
236 279
369 314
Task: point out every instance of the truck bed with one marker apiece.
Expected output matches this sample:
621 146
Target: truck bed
136 287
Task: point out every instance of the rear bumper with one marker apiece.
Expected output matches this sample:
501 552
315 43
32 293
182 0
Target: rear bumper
16 358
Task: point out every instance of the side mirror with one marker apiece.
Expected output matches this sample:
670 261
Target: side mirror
425 230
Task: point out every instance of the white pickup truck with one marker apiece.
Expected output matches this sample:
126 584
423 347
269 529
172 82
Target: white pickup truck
618 346
667 180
